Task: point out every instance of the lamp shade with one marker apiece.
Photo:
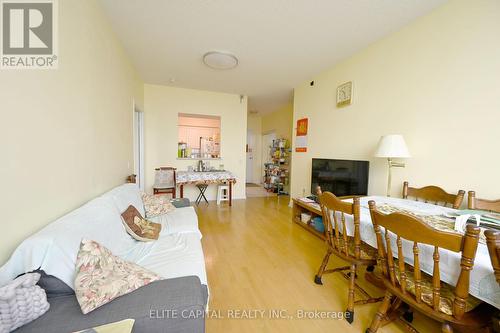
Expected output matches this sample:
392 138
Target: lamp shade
393 145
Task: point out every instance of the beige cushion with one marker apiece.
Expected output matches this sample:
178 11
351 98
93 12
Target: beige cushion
156 205
123 326
102 277
164 178
138 227
366 251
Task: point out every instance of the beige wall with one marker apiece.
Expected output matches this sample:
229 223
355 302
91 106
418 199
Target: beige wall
436 82
280 121
162 106
254 123
65 134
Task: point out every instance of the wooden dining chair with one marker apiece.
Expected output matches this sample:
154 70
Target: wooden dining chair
165 181
347 248
482 204
493 241
422 292
492 238
433 194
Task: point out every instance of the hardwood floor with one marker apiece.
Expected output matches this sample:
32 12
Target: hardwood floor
257 191
259 261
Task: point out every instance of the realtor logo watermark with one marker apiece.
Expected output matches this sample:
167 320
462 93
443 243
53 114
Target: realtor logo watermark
29 34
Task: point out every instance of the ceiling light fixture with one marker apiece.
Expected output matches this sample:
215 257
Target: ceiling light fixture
220 60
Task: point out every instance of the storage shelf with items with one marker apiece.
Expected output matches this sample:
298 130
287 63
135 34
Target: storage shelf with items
308 215
277 171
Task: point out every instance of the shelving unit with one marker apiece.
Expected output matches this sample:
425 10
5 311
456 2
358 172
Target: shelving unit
314 210
277 171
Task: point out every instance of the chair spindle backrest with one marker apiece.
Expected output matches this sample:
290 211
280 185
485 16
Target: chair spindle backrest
492 237
433 194
333 207
493 241
411 229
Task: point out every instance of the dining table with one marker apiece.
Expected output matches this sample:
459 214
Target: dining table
483 284
204 178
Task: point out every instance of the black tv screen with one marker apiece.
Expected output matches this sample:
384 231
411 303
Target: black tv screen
341 177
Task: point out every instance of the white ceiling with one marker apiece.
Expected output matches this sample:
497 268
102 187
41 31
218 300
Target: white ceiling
279 43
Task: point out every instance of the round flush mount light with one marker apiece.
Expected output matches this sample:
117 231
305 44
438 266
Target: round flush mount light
220 60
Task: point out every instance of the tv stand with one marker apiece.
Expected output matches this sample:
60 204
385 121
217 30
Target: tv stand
313 209
314 197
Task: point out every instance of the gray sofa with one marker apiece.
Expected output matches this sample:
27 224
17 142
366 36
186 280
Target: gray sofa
172 305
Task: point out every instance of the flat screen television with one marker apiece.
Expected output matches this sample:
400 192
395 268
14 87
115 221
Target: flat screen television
341 177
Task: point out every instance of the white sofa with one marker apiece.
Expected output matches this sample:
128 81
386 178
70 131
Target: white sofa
177 253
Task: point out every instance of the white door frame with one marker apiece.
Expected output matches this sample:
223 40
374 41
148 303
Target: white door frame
249 155
139 146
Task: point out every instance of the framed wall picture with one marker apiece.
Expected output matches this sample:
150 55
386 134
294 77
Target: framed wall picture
344 94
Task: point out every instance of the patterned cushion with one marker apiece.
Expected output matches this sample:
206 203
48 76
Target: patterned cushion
366 251
102 277
139 228
447 291
156 204
123 326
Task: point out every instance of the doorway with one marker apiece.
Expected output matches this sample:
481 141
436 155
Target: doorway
256 188
249 153
139 147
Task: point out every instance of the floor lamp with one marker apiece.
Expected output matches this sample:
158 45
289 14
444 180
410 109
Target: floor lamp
392 146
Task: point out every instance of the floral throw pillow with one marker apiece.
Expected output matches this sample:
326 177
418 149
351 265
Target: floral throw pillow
102 277
155 205
139 228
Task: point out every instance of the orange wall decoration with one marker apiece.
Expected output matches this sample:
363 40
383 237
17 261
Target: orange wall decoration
301 139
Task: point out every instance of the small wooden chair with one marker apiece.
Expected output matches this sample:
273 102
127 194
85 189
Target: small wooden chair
433 194
165 181
493 241
492 237
420 291
347 248
482 204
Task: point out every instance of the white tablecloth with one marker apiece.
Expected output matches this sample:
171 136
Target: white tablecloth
483 284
